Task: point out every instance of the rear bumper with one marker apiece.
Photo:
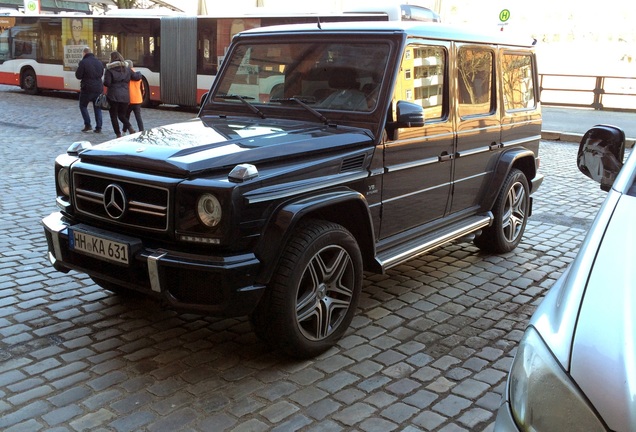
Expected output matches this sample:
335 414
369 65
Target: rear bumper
214 285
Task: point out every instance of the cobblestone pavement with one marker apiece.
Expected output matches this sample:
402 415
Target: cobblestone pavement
429 349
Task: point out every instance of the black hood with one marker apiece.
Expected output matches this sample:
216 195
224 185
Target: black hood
211 143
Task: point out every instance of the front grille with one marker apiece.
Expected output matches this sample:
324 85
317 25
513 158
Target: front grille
146 206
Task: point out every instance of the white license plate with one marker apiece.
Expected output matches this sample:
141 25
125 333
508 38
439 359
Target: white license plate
99 247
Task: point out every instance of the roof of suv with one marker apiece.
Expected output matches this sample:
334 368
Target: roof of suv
428 30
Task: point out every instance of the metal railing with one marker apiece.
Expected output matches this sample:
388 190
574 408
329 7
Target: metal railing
612 93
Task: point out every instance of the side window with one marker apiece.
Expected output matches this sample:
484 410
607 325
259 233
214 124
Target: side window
518 82
475 69
423 78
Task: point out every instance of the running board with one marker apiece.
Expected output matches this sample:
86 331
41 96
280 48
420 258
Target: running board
421 245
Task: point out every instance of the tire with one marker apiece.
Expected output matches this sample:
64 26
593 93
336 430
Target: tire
511 215
29 81
314 291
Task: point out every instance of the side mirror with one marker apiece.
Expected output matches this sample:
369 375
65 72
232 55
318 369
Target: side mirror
601 154
409 115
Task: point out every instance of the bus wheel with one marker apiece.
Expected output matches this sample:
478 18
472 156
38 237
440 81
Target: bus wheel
29 81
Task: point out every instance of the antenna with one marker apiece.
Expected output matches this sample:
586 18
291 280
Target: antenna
319 26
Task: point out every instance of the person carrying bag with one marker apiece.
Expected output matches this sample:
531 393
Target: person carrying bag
117 79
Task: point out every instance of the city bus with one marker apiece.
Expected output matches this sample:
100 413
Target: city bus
178 55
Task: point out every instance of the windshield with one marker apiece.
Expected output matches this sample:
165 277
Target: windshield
323 75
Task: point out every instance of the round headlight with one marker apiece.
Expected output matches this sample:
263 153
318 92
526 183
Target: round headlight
209 210
63 181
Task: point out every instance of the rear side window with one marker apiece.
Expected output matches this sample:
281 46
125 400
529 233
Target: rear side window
475 69
518 82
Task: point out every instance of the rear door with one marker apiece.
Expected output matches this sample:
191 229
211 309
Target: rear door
521 117
478 124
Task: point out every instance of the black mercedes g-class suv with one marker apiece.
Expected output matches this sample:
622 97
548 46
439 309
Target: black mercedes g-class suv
320 152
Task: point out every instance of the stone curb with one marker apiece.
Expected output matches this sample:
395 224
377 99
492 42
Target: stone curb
574 137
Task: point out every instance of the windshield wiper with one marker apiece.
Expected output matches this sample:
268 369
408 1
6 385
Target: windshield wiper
244 100
303 103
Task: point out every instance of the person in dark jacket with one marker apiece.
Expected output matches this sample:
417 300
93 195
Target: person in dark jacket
90 71
117 78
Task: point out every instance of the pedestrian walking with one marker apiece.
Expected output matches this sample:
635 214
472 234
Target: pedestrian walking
136 90
117 79
90 71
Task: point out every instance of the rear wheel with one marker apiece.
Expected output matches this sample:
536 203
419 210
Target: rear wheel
314 292
29 81
511 215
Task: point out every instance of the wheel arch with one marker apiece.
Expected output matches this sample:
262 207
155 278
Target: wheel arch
522 159
344 207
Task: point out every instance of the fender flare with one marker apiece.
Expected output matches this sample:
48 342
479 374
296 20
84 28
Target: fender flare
520 158
329 206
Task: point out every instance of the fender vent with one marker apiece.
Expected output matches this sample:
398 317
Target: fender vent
352 163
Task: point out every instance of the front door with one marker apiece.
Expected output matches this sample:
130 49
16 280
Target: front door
417 179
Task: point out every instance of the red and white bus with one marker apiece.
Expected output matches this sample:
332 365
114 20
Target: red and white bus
177 55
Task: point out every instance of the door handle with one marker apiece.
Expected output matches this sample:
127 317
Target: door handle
445 156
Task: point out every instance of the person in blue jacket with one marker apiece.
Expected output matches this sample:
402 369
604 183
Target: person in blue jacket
90 71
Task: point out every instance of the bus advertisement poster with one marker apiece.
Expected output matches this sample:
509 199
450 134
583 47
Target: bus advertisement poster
77 32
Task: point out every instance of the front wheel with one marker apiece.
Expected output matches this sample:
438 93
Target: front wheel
511 215
29 81
314 292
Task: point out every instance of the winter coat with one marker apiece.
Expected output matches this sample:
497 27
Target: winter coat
90 71
116 78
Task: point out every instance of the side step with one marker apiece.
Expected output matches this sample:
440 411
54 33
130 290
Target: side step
419 246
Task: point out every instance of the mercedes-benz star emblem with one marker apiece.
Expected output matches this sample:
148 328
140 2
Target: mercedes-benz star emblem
115 201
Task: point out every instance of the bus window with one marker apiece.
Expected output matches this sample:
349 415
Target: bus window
23 41
206 56
4 45
51 42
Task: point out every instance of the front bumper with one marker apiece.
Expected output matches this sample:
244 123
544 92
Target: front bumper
505 422
214 285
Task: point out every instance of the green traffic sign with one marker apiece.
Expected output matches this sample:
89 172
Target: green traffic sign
504 15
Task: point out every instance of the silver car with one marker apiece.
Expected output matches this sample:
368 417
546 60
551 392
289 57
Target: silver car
575 368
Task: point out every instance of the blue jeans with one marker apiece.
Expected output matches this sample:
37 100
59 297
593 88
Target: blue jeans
84 99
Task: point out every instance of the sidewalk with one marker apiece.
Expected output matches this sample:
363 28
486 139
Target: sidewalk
569 124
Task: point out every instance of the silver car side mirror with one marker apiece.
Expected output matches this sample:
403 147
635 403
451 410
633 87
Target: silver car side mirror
601 154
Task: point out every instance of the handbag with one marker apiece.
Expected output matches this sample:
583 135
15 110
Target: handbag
102 102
